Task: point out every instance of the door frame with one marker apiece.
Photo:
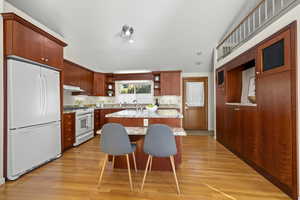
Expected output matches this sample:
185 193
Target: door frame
200 79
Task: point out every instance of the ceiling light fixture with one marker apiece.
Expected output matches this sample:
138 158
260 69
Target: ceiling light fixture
131 71
127 33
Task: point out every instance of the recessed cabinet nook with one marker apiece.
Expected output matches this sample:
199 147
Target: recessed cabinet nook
256 108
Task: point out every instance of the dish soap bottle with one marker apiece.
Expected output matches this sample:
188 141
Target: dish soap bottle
156 102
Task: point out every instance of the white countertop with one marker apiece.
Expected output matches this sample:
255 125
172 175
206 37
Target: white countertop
143 130
172 113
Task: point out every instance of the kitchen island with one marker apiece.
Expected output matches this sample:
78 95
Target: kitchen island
136 123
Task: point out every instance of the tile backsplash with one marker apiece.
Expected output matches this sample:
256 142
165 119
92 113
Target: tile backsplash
72 100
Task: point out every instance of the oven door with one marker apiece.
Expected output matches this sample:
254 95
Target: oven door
84 124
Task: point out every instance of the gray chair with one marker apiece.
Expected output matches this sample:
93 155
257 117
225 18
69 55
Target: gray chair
160 142
115 141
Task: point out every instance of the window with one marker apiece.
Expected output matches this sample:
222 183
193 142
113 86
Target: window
129 91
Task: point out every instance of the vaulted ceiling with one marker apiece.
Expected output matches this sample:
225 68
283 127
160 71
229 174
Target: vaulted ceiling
169 34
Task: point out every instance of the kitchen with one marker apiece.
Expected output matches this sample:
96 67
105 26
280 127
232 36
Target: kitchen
101 108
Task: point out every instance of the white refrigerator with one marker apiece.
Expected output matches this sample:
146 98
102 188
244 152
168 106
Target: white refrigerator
34 135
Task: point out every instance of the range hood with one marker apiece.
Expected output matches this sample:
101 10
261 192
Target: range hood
73 88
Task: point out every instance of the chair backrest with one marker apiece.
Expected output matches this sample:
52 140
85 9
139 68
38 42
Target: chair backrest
160 141
115 139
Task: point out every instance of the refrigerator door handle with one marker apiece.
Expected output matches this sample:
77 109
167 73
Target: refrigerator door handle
41 93
45 95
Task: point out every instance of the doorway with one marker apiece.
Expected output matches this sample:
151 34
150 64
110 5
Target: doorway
195 103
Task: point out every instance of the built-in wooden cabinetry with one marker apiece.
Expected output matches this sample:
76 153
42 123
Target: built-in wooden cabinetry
99 84
97 120
263 134
77 75
167 83
25 40
170 83
103 84
68 131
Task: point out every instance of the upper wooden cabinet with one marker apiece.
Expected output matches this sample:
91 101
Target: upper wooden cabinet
77 75
99 84
170 83
23 39
274 55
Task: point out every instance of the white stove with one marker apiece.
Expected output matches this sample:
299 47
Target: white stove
84 125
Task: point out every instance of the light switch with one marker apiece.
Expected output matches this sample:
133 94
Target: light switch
146 122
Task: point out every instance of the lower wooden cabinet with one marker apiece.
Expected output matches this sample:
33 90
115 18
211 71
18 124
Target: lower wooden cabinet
68 138
104 112
97 120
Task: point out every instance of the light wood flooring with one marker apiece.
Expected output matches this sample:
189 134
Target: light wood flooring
208 171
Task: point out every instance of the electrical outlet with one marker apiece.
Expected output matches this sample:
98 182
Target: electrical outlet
146 122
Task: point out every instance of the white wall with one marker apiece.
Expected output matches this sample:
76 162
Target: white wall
1 94
211 112
292 15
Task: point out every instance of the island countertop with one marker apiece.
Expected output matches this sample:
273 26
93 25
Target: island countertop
170 113
142 131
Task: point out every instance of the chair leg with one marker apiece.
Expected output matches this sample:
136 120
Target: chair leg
102 170
174 172
129 173
134 161
150 165
145 174
113 162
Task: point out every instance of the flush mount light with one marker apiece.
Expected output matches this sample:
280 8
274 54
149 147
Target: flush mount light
132 71
127 33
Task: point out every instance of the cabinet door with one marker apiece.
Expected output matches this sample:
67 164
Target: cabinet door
170 83
274 55
274 99
86 81
53 53
233 135
27 43
71 74
249 127
220 106
99 84
68 130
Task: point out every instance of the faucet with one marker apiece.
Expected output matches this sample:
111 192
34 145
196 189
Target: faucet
136 105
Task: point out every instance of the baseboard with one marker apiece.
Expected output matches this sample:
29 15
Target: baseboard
2 181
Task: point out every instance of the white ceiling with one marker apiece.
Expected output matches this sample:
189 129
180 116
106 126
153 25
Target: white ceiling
168 33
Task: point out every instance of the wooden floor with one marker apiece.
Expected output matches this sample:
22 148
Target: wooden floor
208 171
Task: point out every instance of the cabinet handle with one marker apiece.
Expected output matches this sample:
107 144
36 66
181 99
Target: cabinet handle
42 59
257 73
236 109
46 59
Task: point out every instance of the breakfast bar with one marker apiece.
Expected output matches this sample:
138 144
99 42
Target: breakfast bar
136 123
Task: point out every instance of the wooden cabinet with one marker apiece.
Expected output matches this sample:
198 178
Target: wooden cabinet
104 112
79 76
25 40
276 115
233 134
264 135
99 84
68 138
170 83
53 53
249 127
71 74
97 120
